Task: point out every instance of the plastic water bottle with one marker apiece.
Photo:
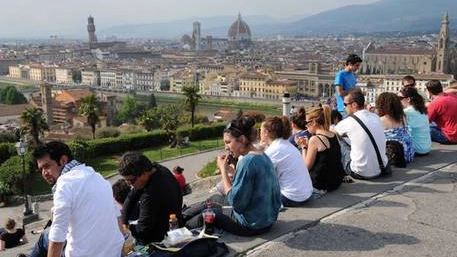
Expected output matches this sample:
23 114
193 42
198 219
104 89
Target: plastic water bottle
173 222
129 243
208 218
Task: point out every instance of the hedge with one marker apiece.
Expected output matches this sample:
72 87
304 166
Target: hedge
11 174
84 150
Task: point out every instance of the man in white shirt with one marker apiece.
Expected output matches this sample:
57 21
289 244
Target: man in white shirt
84 214
359 157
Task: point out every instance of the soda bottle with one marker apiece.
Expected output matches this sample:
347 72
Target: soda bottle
173 222
129 242
209 218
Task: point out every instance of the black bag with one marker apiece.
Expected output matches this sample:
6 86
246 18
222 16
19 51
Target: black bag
200 247
395 153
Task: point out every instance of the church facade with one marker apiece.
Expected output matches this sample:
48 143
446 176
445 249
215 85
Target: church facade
441 59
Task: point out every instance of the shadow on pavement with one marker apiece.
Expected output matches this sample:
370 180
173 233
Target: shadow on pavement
336 237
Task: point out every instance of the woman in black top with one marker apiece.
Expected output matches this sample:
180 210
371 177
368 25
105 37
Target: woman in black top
11 237
322 154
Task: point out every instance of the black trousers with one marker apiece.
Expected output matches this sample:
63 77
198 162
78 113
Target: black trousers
192 216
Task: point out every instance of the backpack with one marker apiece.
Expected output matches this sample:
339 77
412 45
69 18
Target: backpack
395 153
200 247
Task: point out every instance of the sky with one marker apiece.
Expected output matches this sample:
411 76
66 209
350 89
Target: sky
27 18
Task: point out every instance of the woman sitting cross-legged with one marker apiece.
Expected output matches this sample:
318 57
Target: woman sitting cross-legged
294 180
254 192
322 154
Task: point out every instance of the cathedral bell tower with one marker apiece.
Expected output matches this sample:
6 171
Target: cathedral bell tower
442 55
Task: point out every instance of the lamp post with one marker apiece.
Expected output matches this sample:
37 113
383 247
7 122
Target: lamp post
21 148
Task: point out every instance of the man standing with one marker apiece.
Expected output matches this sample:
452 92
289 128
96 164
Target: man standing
345 79
359 158
442 111
84 214
155 195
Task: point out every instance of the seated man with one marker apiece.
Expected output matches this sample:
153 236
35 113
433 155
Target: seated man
359 158
442 111
84 214
155 195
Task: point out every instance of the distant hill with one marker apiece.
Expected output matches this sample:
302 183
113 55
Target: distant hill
381 16
385 15
216 26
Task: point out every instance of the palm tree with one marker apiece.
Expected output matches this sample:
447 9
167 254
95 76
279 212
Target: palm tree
34 123
89 107
192 98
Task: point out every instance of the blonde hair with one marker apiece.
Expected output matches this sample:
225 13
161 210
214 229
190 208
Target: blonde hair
322 116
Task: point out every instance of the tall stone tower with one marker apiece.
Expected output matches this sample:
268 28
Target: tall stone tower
442 63
196 36
91 30
46 102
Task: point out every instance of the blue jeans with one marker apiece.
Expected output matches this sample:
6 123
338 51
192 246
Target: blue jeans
438 135
40 249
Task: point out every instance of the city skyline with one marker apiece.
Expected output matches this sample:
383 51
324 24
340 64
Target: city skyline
22 18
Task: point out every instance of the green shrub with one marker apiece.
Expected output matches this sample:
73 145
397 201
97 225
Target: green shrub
200 131
107 132
11 174
81 150
6 151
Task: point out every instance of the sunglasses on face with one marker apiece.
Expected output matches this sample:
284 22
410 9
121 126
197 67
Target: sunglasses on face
346 104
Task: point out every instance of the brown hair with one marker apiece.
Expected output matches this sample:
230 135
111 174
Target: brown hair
10 224
278 126
299 118
416 100
389 104
322 116
434 87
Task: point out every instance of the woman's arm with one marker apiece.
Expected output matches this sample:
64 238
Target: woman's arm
309 153
2 245
224 167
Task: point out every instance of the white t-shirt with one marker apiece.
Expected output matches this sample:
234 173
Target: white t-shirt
294 180
85 215
363 155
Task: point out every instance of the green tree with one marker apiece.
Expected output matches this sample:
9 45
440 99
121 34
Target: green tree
34 123
149 119
10 95
130 110
90 108
192 99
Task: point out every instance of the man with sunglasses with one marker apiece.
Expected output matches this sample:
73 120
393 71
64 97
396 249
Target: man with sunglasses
345 79
359 156
155 195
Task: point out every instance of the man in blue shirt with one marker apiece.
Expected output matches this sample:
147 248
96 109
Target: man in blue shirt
345 79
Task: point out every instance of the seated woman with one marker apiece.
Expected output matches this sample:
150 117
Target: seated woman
417 119
254 192
298 126
392 116
12 236
322 154
294 181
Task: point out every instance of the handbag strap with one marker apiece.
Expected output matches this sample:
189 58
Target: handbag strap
381 164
